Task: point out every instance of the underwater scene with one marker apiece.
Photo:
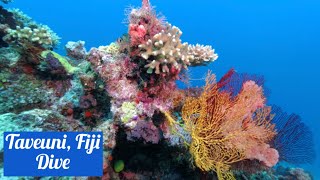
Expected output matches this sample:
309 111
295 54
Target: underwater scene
181 90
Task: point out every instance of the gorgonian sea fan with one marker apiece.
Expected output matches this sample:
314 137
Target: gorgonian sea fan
225 129
294 140
235 81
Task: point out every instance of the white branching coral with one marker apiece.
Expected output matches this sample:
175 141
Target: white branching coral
37 36
165 50
201 54
29 33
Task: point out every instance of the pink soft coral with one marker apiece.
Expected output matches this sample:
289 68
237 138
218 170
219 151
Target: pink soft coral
264 153
137 34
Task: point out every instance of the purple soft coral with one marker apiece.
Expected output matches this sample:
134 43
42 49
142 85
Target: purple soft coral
145 130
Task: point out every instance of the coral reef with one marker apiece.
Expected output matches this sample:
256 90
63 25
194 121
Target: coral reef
54 60
76 50
37 36
7 20
145 130
128 90
278 172
27 33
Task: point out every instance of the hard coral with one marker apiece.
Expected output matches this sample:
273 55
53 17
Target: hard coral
27 32
201 54
159 44
165 50
41 36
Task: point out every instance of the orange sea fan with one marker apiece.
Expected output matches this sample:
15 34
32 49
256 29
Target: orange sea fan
226 130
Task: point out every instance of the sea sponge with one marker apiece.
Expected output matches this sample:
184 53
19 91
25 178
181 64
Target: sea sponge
76 50
64 62
118 166
129 111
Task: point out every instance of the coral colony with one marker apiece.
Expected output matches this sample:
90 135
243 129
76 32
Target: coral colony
128 91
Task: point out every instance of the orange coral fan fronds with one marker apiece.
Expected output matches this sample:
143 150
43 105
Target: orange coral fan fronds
203 118
226 130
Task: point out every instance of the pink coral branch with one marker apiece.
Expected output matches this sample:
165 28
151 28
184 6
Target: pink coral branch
146 4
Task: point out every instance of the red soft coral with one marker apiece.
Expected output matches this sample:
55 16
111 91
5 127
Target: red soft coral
137 34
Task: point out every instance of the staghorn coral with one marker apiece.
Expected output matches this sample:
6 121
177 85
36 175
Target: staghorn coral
225 130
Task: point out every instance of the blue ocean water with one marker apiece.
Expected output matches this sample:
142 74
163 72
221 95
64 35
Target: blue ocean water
278 39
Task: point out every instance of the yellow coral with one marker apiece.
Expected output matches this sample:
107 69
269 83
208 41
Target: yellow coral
129 110
112 48
203 117
216 122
